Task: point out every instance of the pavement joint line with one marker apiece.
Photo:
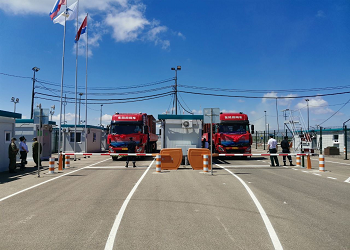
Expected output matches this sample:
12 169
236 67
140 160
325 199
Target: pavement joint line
118 219
55 178
272 233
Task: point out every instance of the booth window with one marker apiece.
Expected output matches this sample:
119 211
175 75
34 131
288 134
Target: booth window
93 137
78 138
7 136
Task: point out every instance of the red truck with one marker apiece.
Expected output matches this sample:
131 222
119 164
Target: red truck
231 135
140 126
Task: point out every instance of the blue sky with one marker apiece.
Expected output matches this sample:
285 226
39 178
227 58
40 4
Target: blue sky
281 48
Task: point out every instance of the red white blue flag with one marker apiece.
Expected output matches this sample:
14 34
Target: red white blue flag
81 30
56 8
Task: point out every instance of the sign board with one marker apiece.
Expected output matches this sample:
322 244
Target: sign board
44 116
211 112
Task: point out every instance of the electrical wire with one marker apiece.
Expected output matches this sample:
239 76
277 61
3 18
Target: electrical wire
335 113
268 97
27 77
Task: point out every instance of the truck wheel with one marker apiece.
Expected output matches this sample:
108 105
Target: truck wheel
114 158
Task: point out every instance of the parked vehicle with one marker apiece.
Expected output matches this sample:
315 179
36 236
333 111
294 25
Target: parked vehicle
140 126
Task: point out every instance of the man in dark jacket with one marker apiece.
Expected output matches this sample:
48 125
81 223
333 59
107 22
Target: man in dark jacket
12 152
131 149
285 149
35 150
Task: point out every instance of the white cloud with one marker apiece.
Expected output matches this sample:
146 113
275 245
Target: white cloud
320 14
181 35
241 101
271 94
286 101
253 112
316 106
125 20
69 118
228 111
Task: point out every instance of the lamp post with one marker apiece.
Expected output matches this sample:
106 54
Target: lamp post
52 111
64 112
265 131
176 69
15 101
308 119
101 115
35 69
79 106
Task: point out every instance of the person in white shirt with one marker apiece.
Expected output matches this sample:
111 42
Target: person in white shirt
23 150
272 148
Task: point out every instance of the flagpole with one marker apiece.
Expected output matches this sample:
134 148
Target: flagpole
86 79
62 77
76 87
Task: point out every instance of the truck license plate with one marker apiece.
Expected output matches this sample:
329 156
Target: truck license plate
124 148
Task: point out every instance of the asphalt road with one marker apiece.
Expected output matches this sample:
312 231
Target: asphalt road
245 204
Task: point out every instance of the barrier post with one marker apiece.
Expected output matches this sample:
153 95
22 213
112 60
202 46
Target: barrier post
52 165
321 163
298 160
302 161
60 162
67 161
308 161
158 163
205 163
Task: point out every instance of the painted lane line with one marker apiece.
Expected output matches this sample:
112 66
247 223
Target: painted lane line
119 217
110 167
37 185
274 238
247 166
318 174
332 178
347 180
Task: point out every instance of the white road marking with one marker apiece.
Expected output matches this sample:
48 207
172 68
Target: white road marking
37 185
317 174
347 180
274 238
111 167
247 166
118 219
332 178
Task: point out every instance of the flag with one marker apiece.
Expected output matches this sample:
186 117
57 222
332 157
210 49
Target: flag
81 30
69 14
56 8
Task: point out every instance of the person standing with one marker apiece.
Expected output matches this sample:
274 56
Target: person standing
131 149
12 152
36 147
23 150
286 149
272 148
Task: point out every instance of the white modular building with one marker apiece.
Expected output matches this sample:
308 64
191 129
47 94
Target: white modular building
7 131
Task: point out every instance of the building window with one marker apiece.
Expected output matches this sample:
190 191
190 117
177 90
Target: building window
93 137
336 137
7 136
78 138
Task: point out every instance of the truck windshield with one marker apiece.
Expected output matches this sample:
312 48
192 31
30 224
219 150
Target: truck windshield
125 129
233 128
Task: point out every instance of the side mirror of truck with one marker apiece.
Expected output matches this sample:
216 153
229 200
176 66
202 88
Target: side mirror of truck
252 129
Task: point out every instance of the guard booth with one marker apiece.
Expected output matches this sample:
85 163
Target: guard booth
28 129
181 131
7 131
94 139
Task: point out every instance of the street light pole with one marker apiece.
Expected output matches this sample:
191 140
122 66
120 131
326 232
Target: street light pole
265 131
52 111
15 101
176 69
35 69
308 119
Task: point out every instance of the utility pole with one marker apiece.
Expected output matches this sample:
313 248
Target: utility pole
308 119
101 116
64 109
79 106
176 69
35 69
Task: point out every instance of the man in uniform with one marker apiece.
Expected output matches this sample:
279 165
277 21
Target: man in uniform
285 149
13 150
131 149
36 147
23 150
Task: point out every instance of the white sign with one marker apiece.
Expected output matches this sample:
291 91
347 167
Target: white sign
211 112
